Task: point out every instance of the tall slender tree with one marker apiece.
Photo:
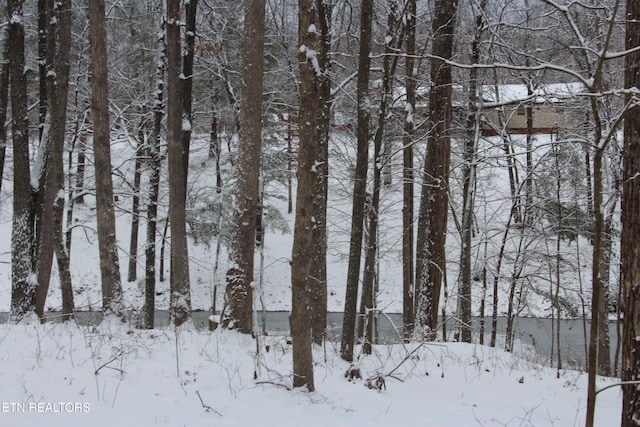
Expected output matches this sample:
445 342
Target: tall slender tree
155 162
191 11
112 302
318 288
393 41
22 285
43 195
407 175
432 219
308 262
468 181
359 183
58 55
630 244
4 101
180 300
132 271
239 292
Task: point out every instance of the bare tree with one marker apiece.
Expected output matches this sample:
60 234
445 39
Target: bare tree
630 244
155 162
408 288
180 300
132 271
112 302
309 253
393 43
58 54
239 292
360 182
44 194
322 88
432 219
469 181
191 11
23 288
4 102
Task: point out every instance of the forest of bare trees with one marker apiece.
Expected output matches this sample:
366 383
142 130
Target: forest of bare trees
505 131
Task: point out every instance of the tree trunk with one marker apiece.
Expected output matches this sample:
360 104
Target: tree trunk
4 100
154 186
308 266
45 194
630 244
112 302
469 183
320 85
214 144
604 341
191 9
132 271
44 200
80 168
42 66
368 298
239 292
22 285
407 176
58 55
360 182
434 202
180 300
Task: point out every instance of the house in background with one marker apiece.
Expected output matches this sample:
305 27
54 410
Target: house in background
557 108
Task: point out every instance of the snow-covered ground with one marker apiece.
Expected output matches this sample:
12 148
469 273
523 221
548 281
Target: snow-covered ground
64 375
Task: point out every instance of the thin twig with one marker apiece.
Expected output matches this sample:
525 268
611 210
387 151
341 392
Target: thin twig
620 384
407 357
207 408
286 387
114 358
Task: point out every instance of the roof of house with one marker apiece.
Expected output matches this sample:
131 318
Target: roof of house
515 93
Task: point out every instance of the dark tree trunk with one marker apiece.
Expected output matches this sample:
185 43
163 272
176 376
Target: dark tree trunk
434 202
630 244
4 103
308 268
112 302
80 168
132 271
154 187
304 252
368 298
191 8
22 286
41 219
407 177
42 66
360 182
321 85
58 54
469 183
180 299
44 197
239 293
214 143
604 339
597 278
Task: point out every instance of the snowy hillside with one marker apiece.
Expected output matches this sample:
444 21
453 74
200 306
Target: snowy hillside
64 375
